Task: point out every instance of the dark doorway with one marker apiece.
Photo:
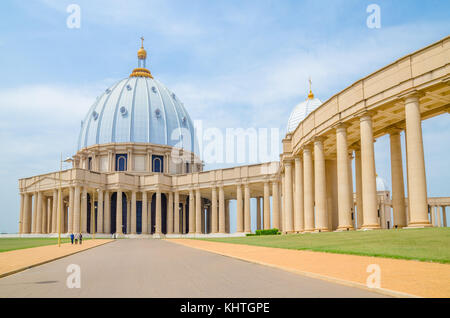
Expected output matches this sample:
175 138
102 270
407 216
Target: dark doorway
89 214
139 217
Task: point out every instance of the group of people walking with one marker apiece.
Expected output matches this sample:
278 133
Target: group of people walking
78 237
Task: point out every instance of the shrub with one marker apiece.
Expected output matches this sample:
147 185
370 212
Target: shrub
267 232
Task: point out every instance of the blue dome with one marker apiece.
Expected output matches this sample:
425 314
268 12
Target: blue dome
141 110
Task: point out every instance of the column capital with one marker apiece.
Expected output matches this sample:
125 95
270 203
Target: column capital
410 96
394 131
341 126
366 115
307 148
319 139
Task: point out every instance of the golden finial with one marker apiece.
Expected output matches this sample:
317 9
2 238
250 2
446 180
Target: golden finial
142 53
141 70
310 95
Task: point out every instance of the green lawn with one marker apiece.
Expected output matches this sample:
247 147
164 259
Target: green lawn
10 244
431 244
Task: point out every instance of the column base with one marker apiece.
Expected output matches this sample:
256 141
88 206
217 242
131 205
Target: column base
308 231
321 230
345 229
370 227
418 225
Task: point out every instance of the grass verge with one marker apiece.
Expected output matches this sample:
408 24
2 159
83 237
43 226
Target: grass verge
429 244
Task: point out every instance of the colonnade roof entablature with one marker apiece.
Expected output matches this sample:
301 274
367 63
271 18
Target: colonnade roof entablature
113 181
382 93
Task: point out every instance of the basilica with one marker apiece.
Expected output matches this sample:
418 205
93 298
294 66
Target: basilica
137 171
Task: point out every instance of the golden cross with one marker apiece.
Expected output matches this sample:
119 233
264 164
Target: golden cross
142 39
310 83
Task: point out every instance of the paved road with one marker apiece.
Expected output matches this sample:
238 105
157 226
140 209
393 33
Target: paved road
155 268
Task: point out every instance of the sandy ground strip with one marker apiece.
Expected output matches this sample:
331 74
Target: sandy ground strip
18 260
398 277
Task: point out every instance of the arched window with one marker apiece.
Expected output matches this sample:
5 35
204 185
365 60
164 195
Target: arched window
157 163
121 162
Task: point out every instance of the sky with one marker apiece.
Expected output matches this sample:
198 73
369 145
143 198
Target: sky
233 64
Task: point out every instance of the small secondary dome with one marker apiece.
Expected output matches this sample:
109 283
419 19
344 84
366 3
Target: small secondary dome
302 110
138 109
381 185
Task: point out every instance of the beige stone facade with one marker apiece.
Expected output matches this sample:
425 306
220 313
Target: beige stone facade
310 189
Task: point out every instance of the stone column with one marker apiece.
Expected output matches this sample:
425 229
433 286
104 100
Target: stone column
439 217
289 197
247 215
76 210
266 206
26 226
283 203
150 198
49 214
133 213
128 214
39 213
44 214
350 182
176 219
22 199
444 216
308 186
198 211
92 212
239 210
398 187
320 189
84 210
107 213
299 217
100 218
214 212
359 199
222 210
119 213
144 213
170 211
369 187
191 212
184 221
258 213
158 212
71 208
227 216
343 180
276 205
417 185
60 214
